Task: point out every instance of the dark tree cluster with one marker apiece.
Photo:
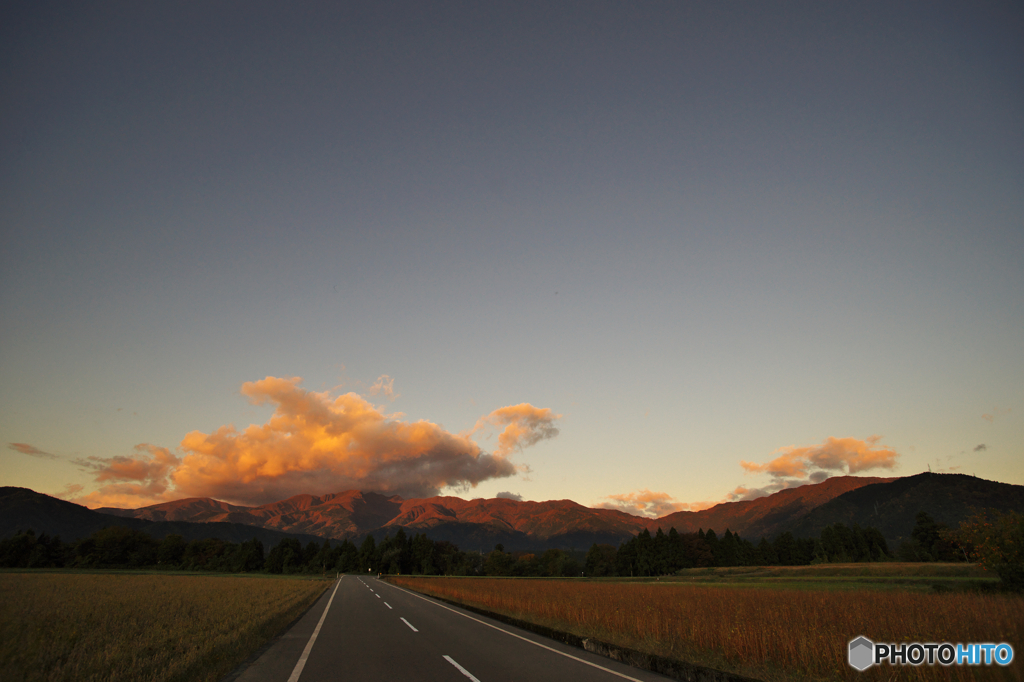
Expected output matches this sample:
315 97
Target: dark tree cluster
929 541
666 553
642 555
120 547
552 563
995 539
841 545
418 555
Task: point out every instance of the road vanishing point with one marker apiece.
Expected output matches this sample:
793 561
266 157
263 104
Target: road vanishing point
368 629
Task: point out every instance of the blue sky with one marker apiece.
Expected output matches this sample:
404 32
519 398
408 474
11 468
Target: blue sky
699 233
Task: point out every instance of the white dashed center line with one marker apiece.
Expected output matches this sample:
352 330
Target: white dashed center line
461 669
378 596
410 625
387 605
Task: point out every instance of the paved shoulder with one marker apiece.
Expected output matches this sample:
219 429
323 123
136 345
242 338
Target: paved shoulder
278 661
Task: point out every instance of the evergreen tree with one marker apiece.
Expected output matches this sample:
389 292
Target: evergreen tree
368 555
766 555
728 550
601 560
711 540
786 550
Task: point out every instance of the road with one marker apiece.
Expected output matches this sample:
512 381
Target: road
369 629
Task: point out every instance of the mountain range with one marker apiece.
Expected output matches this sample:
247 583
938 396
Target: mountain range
23 509
562 523
889 504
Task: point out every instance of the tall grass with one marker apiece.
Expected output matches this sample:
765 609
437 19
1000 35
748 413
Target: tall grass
146 628
773 634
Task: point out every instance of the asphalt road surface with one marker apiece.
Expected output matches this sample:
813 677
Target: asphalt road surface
368 629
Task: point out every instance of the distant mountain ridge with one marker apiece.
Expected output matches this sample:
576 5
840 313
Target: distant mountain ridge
892 508
22 509
528 524
765 516
889 504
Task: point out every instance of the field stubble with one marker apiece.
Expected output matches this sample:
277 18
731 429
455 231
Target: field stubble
772 634
156 628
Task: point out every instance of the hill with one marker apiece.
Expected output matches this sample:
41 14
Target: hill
892 507
889 504
482 523
24 509
764 516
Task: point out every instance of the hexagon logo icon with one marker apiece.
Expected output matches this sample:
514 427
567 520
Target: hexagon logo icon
862 653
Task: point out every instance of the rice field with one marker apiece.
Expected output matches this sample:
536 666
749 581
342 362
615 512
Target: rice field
147 628
771 634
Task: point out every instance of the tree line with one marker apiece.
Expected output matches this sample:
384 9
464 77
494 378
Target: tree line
642 555
997 543
665 553
122 547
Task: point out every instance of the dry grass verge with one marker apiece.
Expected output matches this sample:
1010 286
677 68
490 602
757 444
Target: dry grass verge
145 628
772 634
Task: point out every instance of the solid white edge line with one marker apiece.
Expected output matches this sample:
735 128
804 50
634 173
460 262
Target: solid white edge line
409 624
512 634
309 646
461 669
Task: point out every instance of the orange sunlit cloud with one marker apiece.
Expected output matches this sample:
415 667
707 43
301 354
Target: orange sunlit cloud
835 454
524 424
650 504
795 466
31 450
317 443
385 385
812 464
140 479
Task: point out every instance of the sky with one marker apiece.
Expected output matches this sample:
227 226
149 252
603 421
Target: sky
651 255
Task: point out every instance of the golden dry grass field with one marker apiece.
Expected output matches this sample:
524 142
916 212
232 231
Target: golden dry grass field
767 633
156 628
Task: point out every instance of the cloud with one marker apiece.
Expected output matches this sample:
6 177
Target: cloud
798 466
650 504
995 413
385 385
525 425
318 443
71 490
509 496
742 493
980 447
31 450
846 455
137 480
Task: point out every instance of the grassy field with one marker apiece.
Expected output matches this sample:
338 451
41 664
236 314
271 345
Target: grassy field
142 627
772 634
879 576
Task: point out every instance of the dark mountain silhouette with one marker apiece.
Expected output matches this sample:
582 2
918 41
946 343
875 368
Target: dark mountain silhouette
885 503
482 523
892 507
339 515
764 516
22 509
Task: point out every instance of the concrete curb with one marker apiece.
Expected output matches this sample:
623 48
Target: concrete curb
677 670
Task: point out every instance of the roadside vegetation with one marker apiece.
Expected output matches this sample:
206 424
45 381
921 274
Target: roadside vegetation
993 540
773 634
109 626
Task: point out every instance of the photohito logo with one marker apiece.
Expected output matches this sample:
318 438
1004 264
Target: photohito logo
864 653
